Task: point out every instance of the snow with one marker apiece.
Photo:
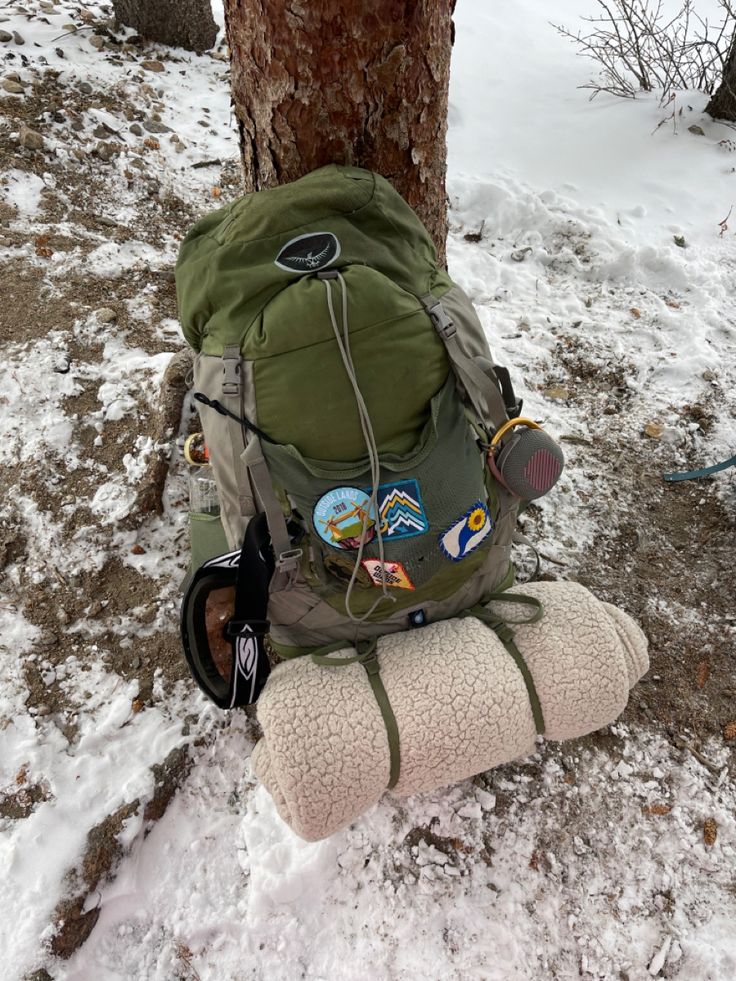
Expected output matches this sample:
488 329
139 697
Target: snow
575 862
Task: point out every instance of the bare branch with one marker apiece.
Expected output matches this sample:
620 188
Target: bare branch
638 49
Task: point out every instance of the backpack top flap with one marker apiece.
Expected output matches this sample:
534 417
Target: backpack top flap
234 261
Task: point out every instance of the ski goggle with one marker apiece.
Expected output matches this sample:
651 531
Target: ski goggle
226 656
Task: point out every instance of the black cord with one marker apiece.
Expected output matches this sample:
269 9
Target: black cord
246 423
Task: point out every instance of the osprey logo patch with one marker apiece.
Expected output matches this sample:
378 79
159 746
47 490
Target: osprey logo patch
308 253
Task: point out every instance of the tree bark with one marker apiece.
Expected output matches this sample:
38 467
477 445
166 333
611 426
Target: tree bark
321 81
181 23
723 103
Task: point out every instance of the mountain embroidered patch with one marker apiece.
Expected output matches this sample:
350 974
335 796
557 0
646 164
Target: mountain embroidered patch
400 510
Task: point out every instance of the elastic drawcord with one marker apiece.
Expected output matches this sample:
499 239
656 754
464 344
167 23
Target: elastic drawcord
343 345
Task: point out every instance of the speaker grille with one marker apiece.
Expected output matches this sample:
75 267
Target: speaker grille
531 464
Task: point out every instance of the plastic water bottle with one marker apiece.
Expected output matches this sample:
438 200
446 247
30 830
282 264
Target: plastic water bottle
203 497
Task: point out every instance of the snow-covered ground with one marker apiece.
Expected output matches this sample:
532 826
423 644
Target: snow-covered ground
611 858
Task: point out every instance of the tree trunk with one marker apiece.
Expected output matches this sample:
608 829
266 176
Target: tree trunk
321 81
181 23
723 103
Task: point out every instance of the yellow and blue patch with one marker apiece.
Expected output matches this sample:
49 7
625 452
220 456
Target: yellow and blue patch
468 533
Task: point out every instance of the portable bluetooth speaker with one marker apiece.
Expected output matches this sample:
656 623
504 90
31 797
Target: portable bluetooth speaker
529 463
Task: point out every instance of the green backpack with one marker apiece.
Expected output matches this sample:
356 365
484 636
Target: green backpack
349 399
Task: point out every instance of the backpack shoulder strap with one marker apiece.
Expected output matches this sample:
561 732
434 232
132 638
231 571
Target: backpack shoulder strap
485 394
286 558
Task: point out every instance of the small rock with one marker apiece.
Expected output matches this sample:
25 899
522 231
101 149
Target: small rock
696 130
15 88
104 220
152 126
5 37
97 42
708 375
560 394
106 151
635 313
138 550
152 66
180 147
710 832
29 138
106 315
136 129
77 125
86 88
62 366
43 709
521 254
18 38
680 242
654 430
95 609
99 132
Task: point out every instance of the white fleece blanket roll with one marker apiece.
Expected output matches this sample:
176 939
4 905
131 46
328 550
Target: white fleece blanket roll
460 701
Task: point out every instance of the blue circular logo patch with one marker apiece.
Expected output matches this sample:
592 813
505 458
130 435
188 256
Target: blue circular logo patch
339 517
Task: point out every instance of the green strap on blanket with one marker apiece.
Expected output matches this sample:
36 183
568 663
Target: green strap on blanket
368 657
502 629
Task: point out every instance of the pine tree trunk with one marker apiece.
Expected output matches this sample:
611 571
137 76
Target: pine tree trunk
321 81
181 23
723 103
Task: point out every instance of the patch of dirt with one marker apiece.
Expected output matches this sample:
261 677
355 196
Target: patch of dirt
103 852
93 598
672 565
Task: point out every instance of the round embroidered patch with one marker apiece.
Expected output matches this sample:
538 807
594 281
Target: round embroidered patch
340 516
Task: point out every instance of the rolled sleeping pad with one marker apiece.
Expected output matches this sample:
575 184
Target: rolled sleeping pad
460 702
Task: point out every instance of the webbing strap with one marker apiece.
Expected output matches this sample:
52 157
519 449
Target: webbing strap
703 472
368 657
486 397
502 629
286 557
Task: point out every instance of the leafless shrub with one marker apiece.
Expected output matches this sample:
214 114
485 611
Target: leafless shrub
640 49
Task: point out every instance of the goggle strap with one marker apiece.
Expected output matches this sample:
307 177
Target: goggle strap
251 666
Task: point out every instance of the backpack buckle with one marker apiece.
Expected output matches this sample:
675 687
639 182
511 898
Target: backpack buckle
289 560
441 321
231 370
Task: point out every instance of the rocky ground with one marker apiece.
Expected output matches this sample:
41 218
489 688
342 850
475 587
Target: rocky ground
110 148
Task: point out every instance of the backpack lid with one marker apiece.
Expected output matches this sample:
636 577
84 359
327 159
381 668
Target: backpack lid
234 261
